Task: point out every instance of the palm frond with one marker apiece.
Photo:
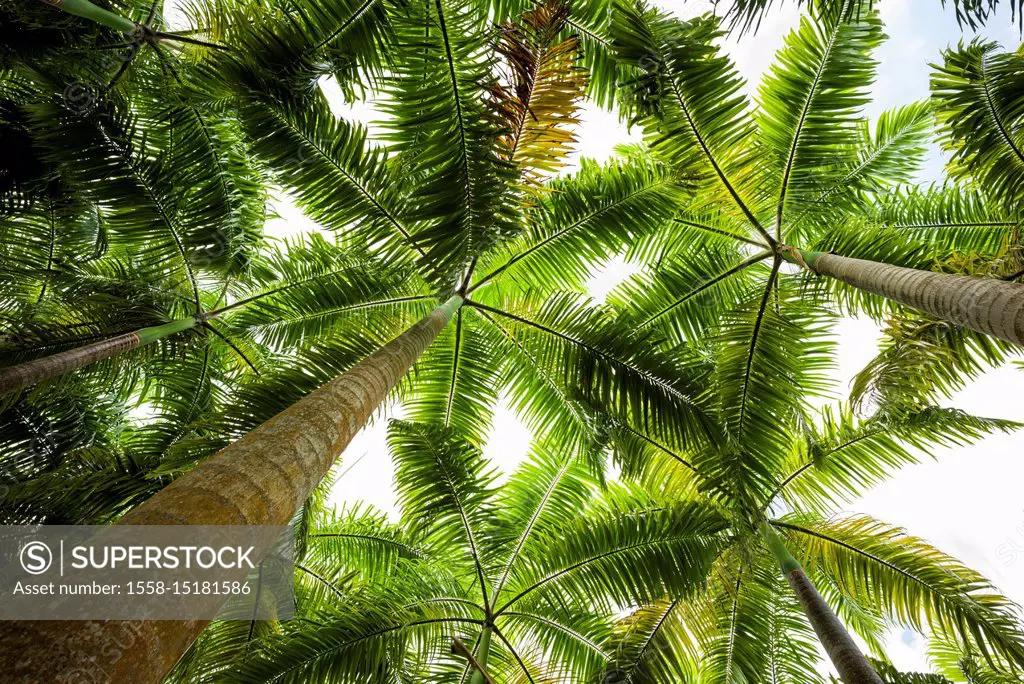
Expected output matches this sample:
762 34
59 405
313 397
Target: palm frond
809 103
911 582
447 138
979 103
538 104
841 457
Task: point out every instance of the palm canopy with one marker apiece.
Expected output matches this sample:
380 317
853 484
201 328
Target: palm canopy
801 167
127 205
543 561
746 622
757 335
478 221
451 201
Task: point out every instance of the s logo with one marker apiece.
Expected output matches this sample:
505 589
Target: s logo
36 558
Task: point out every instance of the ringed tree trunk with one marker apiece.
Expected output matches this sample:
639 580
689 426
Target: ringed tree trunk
261 479
985 305
844 653
16 378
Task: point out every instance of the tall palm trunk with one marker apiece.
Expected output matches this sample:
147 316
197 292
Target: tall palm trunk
986 305
15 378
261 479
847 658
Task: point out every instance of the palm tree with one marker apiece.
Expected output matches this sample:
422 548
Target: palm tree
779 498
815 161
453 216
511 571
107 209
450 216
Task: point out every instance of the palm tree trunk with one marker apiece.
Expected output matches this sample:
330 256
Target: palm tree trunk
483 651
986 305
261 479
847 658
16 378
87 10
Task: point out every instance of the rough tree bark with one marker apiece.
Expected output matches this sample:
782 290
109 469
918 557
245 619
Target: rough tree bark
262 479
16 378
986 305
850 663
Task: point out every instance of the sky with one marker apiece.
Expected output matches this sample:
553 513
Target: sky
968 501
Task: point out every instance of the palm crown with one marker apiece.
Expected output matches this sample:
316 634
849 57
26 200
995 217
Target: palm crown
695 360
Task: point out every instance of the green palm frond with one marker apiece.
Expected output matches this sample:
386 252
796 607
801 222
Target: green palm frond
922 360
911 582
308 288
583 219
363 540
651 644
541 495
841 457
447 138
457 379
881 159
284 47
950 218
766 351
207 153
105 153
48 238
809 104
335 175
666 548
443 486
959 664
979 103
684 298
759 631
596 358
371 635
686 95
894 676
747 15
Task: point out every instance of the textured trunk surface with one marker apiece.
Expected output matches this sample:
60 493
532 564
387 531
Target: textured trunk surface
845 655
986 305
261 479
16 378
